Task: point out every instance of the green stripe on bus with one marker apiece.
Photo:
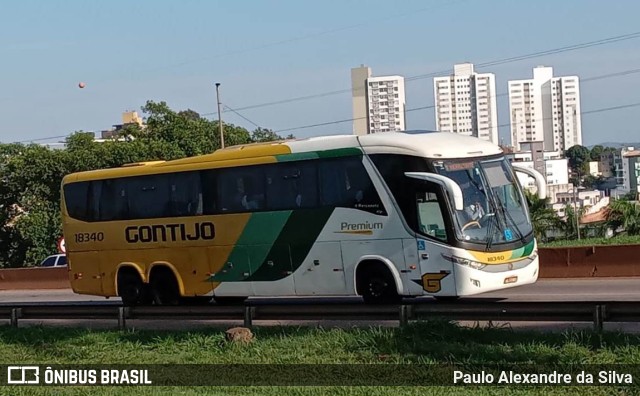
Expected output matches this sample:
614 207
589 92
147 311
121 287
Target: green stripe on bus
296 156
529 248
341 152
255 242
334 153
293 244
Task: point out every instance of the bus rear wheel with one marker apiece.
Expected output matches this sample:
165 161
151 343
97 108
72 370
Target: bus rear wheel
376 284
164 287
131 289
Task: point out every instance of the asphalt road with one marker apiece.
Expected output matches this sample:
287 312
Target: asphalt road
601 289
597 289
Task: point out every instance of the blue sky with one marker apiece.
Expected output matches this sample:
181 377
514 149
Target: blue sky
128 52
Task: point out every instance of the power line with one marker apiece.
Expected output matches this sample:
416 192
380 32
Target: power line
582 80
241 116
600 110
573 47
588 79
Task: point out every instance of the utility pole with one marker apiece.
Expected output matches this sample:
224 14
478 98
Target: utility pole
575 203
219 116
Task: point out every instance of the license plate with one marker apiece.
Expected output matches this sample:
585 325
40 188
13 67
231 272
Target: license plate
511 279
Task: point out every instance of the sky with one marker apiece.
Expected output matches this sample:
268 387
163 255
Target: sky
261 52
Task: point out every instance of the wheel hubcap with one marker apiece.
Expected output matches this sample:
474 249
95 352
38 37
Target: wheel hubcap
377 287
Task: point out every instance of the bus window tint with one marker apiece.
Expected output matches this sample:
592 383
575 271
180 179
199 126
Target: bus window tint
430 215
113 200
345 182
208 187
76 197
186 196
241 189
291 185
148 196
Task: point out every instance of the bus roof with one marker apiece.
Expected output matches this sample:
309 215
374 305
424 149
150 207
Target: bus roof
436 145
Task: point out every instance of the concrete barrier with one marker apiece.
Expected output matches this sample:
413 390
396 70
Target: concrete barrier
590 261
34 278
560 262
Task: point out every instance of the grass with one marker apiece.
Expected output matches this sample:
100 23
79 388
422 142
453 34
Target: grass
425 342
617 240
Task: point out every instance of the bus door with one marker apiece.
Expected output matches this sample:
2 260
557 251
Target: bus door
321 272
435 271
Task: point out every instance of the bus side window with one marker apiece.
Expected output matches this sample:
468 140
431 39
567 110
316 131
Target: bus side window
208 186
186 197
292 185
149 196
241 189
113 200
345 182
332 184
76 196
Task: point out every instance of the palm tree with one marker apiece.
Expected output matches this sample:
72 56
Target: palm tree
625 214
543 217
569 223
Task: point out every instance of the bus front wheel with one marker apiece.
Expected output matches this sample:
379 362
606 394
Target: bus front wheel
376 284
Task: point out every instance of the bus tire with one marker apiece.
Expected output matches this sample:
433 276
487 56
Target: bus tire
231 300
131 289
375 283
164 287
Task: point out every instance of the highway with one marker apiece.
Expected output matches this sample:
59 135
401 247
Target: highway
596 289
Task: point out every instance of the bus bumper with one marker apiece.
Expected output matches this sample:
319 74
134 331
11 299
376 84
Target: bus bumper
470 281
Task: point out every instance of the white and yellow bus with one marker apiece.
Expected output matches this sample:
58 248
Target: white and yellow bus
382 216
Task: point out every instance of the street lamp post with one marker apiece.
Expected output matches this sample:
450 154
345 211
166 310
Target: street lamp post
219 116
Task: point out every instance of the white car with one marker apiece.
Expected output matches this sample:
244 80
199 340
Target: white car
56 260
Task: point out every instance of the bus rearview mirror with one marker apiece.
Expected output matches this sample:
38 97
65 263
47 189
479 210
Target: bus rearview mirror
453 189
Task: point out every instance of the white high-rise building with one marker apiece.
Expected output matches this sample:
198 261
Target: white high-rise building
378 102
466 103
547 109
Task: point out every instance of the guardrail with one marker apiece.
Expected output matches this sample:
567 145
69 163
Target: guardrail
594 312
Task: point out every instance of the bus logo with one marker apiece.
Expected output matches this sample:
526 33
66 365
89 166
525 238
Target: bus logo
432 281
170 232
365 228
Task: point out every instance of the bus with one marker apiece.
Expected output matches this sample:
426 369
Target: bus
382 216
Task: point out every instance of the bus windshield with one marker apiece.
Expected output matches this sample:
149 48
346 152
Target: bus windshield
494 208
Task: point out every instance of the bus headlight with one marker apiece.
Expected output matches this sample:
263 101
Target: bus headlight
464 261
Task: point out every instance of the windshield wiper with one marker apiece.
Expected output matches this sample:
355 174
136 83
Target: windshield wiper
490 231
507 215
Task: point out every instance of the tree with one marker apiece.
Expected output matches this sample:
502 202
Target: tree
624 214
30 176
596 151
578 157
543 217
264 135
570 223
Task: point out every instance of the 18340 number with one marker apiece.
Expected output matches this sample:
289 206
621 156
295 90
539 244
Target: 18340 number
89 237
